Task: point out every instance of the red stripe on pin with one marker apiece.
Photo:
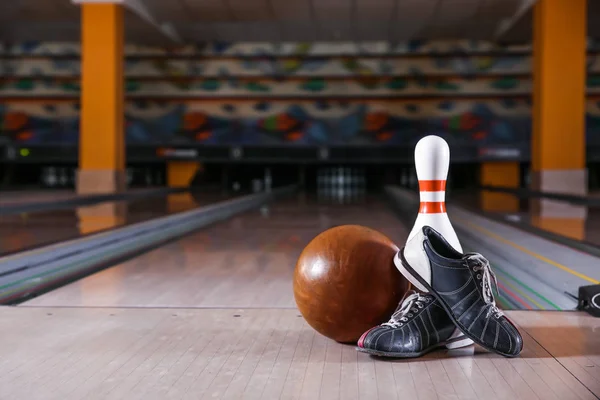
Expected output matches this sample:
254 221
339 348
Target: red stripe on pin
432 207
432 186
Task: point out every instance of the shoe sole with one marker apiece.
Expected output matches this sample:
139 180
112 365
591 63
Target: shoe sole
448 344
414 277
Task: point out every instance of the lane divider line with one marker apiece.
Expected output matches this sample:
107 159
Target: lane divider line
521 293
506 303
526 251
514 296
501 302
509 276
504 280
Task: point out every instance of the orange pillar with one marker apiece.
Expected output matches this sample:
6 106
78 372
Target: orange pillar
102 139
502 174
558 141
101 136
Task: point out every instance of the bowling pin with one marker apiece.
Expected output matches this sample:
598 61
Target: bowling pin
432 160
52 178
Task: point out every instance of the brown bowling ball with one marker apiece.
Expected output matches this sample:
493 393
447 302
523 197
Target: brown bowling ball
345 282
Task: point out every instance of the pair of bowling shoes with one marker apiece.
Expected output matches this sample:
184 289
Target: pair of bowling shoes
455 309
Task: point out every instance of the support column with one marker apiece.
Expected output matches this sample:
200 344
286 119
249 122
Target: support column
102 139
558 142
502 174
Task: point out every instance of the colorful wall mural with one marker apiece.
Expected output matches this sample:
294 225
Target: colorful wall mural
292 94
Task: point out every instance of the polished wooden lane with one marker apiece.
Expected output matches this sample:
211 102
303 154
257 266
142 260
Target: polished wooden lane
212 316
38 228
247 261
16 197
574 342
124 353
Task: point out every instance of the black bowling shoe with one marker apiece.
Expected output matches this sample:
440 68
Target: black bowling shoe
419 325
462 283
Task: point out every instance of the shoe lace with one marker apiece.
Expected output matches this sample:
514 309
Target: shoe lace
406 309
488 282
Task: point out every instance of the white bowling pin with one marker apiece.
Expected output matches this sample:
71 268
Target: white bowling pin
432 160
52 178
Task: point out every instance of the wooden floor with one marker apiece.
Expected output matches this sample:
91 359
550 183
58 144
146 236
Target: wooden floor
212 316
120 353
247 261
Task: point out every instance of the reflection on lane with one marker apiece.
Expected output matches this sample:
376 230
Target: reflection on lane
27 230
245 261
18 197
576 222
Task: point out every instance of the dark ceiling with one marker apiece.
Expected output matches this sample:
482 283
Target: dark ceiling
193 21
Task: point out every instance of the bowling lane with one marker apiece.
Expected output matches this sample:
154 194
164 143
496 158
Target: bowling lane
244 262
580 223
27 230
16 197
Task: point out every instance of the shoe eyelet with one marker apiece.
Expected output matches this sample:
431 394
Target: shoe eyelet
414 310
478 276
410 315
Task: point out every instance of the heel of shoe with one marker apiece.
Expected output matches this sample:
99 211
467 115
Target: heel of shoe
458 340
407 274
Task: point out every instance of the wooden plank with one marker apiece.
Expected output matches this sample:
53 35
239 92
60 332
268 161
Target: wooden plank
241 263
213 316
253 353
569 338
